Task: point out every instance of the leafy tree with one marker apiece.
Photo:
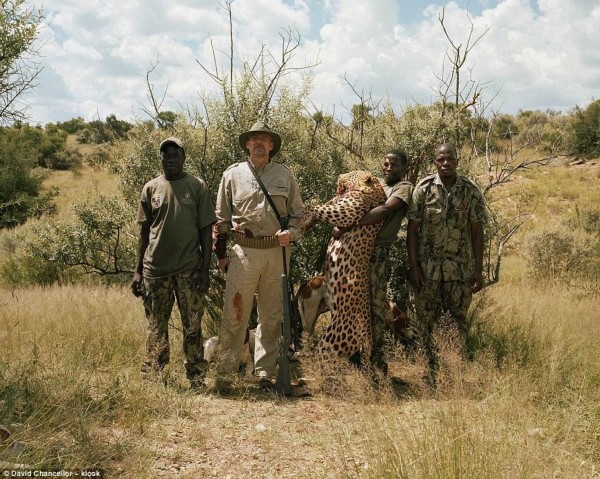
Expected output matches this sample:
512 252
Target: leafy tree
166 119
119 128
47 147
19 62
548 131
586 129
71 126
505 127
19 186
101 132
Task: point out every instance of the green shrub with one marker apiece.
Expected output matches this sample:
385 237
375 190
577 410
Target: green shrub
588 220
586 129
66 159
23 271
556 253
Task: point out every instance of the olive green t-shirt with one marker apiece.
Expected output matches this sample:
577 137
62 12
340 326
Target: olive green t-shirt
176 211
389 231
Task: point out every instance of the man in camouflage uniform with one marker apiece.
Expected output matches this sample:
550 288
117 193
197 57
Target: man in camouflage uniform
176 215
445 248
398 192
255 262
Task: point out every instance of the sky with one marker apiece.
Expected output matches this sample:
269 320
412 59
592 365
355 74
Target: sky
534 55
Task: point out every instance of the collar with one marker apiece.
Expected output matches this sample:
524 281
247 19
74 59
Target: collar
438 181
263 168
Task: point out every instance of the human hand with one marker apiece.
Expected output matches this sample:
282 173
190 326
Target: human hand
415 278
338 231
203 282
223 264
136 287
476 282
284 237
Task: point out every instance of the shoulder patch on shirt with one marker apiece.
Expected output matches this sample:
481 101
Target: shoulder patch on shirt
157 200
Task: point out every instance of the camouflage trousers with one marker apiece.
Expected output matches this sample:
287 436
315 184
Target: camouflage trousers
380 275
438 297
159 297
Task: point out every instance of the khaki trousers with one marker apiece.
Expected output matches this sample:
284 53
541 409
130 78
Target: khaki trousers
252 270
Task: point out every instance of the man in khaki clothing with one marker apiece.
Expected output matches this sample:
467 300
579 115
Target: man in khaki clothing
255 262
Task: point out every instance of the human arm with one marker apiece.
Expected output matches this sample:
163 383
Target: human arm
143 241
220 248
477 220
379 213
415 275
476 281
220 230
294 211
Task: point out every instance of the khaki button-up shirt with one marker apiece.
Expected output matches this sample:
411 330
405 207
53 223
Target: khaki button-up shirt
241 204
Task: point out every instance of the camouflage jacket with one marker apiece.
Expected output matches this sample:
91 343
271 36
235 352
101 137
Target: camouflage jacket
444 248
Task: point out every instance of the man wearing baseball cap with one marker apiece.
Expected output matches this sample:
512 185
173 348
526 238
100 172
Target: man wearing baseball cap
176 215
254 264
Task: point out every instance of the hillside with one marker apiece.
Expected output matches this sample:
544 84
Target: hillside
526 405
75 186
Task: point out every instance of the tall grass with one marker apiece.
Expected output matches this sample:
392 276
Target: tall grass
69 378
526 406
527 403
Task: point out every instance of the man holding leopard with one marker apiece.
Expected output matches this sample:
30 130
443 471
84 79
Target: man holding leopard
398 192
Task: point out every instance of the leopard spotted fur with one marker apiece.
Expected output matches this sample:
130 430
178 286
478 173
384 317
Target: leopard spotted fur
347 266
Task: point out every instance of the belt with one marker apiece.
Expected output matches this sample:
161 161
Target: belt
260 242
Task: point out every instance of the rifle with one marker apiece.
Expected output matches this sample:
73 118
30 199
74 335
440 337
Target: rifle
283 384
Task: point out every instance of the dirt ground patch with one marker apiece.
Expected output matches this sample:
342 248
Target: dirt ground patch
251 433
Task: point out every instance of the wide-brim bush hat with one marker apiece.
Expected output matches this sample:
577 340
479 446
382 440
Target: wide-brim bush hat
261 127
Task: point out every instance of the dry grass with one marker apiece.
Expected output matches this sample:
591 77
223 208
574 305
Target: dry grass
552 193
76 185
526 404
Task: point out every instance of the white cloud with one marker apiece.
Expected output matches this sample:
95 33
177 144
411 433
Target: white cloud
541 55
74 49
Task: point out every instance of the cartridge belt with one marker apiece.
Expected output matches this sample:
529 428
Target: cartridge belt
259 242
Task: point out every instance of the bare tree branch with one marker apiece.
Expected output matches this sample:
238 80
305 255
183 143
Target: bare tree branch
155 102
